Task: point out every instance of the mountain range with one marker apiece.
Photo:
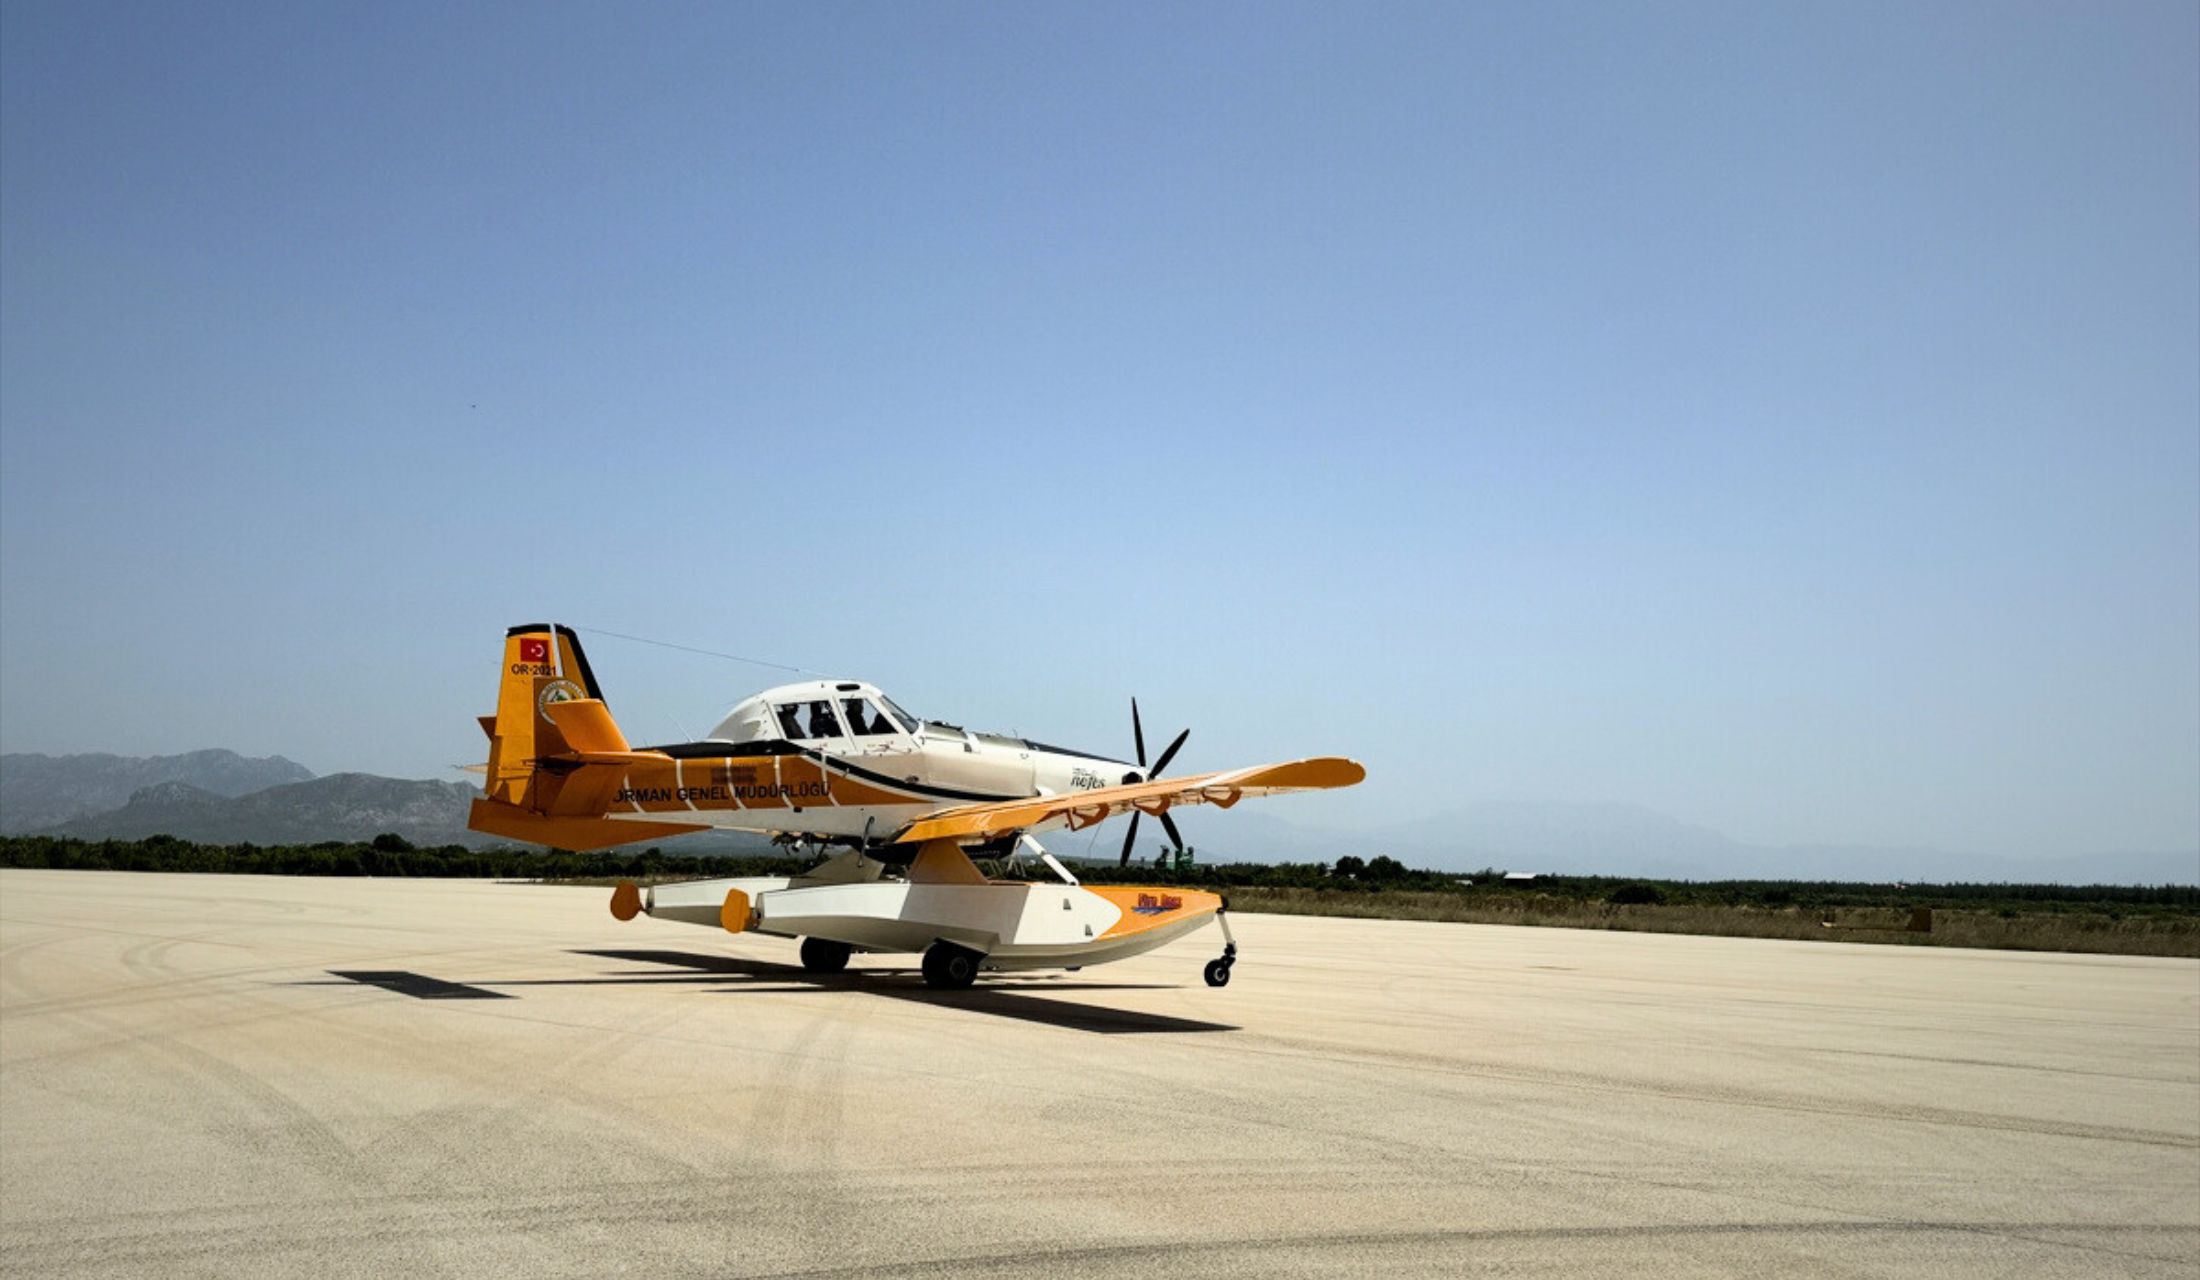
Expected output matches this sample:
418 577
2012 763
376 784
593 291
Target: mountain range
1629 840
222 797
39 791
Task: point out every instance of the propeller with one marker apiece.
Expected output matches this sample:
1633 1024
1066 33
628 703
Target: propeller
1138 736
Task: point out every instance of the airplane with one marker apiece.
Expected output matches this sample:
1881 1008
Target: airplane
837 765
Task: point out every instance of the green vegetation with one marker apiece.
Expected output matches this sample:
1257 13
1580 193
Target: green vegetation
2128 919
385 855
2124 919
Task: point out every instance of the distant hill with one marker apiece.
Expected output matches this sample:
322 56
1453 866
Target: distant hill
38 791
1622 840
341 806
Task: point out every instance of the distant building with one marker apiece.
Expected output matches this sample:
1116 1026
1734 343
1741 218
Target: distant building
1511 876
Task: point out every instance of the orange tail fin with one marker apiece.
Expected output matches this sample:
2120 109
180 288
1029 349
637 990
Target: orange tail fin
549 708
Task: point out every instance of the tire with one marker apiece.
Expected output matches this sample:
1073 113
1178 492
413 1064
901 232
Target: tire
823 955
1218 973
949 967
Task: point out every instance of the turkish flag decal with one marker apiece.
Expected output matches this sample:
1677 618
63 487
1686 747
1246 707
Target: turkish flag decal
534 650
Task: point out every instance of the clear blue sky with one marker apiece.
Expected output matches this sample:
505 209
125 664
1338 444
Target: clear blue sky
1784 417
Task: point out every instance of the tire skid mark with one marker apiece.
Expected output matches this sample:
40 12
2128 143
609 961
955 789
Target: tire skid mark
2128 1241
518 1098
1318 1051
1160 1253
312 972
11 968
2093 1073
256 1107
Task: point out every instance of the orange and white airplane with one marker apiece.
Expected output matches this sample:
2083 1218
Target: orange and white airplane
837 765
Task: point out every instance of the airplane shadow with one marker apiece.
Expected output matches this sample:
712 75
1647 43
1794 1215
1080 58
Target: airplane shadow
1000 997
997 997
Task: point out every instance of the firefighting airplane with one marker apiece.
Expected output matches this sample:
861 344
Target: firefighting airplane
836 764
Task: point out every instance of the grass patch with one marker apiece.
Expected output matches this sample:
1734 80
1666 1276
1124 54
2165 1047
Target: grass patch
2150 934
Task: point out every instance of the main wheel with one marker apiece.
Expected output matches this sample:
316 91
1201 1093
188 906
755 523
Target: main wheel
949 967
823 955
1218 973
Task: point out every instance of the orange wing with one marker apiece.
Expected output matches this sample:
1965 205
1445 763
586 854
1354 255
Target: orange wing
1084 808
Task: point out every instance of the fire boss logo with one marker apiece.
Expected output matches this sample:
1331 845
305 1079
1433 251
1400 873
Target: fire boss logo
1152 905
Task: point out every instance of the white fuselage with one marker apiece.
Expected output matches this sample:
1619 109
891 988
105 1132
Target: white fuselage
792 761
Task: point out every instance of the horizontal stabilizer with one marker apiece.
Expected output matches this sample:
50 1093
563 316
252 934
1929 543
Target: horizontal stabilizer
587 725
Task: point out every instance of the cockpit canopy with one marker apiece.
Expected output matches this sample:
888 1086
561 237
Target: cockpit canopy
838 714
816 710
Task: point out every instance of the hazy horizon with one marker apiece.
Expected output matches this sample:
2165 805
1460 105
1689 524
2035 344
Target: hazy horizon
1572 836
1783 419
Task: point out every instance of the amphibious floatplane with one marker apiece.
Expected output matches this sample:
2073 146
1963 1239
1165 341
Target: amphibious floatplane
896 805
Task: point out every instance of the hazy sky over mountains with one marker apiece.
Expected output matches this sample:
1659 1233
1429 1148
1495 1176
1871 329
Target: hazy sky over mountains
1783 417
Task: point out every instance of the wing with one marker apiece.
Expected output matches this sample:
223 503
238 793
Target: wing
1081 809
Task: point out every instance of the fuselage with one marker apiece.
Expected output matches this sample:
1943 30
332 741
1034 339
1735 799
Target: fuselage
836 758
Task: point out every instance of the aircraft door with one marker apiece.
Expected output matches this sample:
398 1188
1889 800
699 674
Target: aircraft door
870 732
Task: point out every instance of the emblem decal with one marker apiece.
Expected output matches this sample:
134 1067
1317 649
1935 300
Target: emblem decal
555 691
534 649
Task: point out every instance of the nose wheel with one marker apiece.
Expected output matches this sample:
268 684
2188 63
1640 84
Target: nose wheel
1218 970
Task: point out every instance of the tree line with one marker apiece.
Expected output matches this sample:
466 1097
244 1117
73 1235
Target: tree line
391 855
385 855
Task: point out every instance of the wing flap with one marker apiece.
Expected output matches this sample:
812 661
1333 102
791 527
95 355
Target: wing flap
1084 808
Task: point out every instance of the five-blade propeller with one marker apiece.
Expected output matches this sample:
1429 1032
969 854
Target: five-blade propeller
1138 736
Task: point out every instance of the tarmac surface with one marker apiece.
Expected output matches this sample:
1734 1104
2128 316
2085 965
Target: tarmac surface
244 1076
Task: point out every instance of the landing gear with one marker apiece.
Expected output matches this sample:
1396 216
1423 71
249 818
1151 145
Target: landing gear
823 955
949 967
1218 971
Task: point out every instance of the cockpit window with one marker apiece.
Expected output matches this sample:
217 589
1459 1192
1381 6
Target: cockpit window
864 717
909 723
808 719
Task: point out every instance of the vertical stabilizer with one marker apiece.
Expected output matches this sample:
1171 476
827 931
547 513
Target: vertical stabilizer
543 666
